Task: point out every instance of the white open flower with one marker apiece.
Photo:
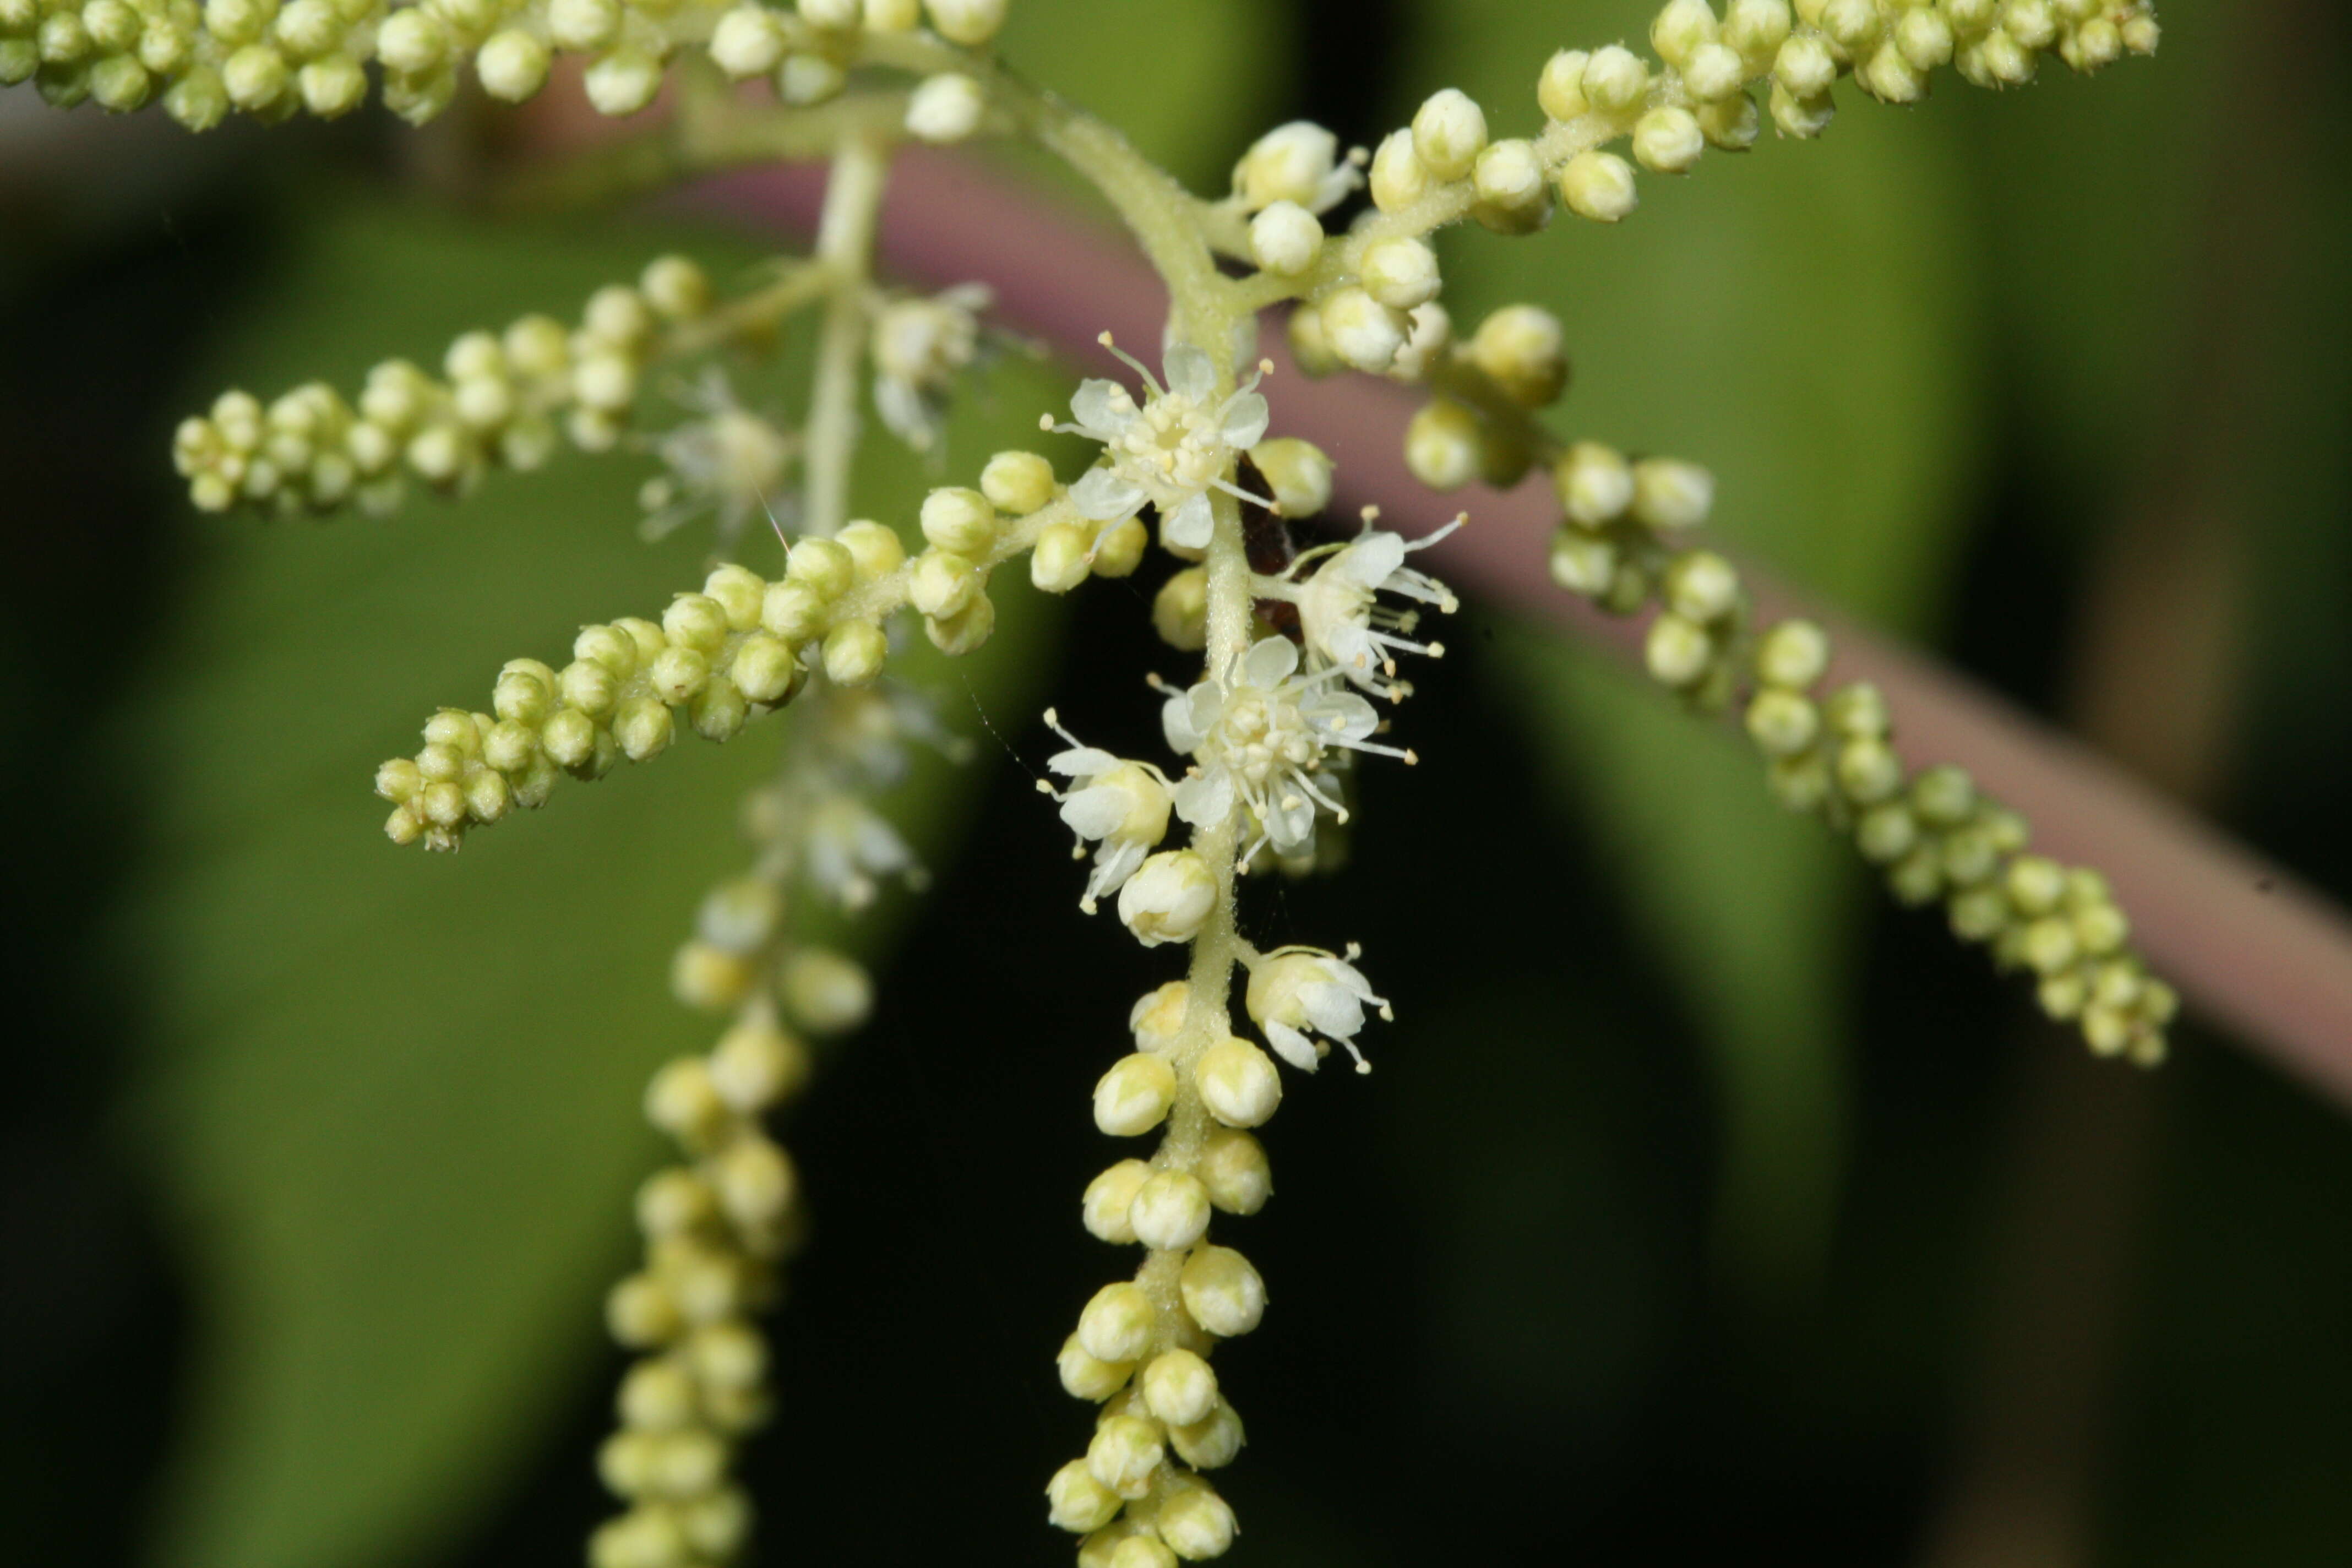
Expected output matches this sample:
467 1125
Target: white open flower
850 846
1296 992
731 462
919 347
1170 451
1259 736
1340 613
1119 804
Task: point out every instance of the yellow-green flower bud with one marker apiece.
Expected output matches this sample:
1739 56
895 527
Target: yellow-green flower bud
1076 1502
1449 131
1179 611
1017 482
960 520
1232 1166
756 1066
825 992
1171 1211
1110 1196
1133 1098
1599 186
1195 1523
1087 1376
1238 1082
1179 1388
1222 1291
1061 559
1118 1323
1125 1452
1211 1444
854 653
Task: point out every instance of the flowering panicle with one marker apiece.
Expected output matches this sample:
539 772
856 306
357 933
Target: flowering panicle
1933 833
275 59
719 1224
504 399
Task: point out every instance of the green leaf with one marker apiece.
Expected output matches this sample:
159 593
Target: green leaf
1799 319
395 1095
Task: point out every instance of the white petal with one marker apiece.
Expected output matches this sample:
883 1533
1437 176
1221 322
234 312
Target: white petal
1269 662
1082 762
1245 420
1191 374
1292 1047
1103 408
1205 799
1183 736
1341 716
1205 705
1101 496
1371 559
1115 862
1094 813
1190 523
1290 821
1333 1009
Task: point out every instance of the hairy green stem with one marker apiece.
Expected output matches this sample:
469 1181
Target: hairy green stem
844 247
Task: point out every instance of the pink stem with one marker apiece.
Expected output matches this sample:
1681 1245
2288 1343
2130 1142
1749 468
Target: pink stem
2264 957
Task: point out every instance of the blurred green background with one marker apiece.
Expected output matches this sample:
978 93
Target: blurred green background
1704 1209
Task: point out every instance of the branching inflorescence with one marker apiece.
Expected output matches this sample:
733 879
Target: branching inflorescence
1300 635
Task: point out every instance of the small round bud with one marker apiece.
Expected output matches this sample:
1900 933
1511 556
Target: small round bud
1598 185
875 551
942 582
755 1181
1297 162
1669 140
1169 897
1017 482
1702 586
1086 1376
674 1201
1222 1291
1582 563
966 22
623 81
1134 1096
747 41
1179 1388
1615 79
794 612
681 1101
512 64
834 13
1445 444
1118 1323
810 78
967 628
1401 273
1211 1444
1077 1502
824 565
1560 89
764 669
1108 1198
945 109
1298 473
1449 131
1399 178
960 520
583 25
1238 1082
1521 347
1594 483
1513 194
656 1396
1125 1452
826 993
1196 1523
1783 724
1792 655
1285 238
1234 1168
1061 559
1364 332
708 978
1310 342
1805 68
854 653
756 1066
674 285
1119 549
1672 495
1171 1211
641 1312
1677 651
1179 611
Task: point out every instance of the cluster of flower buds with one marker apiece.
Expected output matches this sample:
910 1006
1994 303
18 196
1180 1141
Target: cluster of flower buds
716 1226
1475 426
742 647
1936 837
1141 1347
273 58
1621 546
504 399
